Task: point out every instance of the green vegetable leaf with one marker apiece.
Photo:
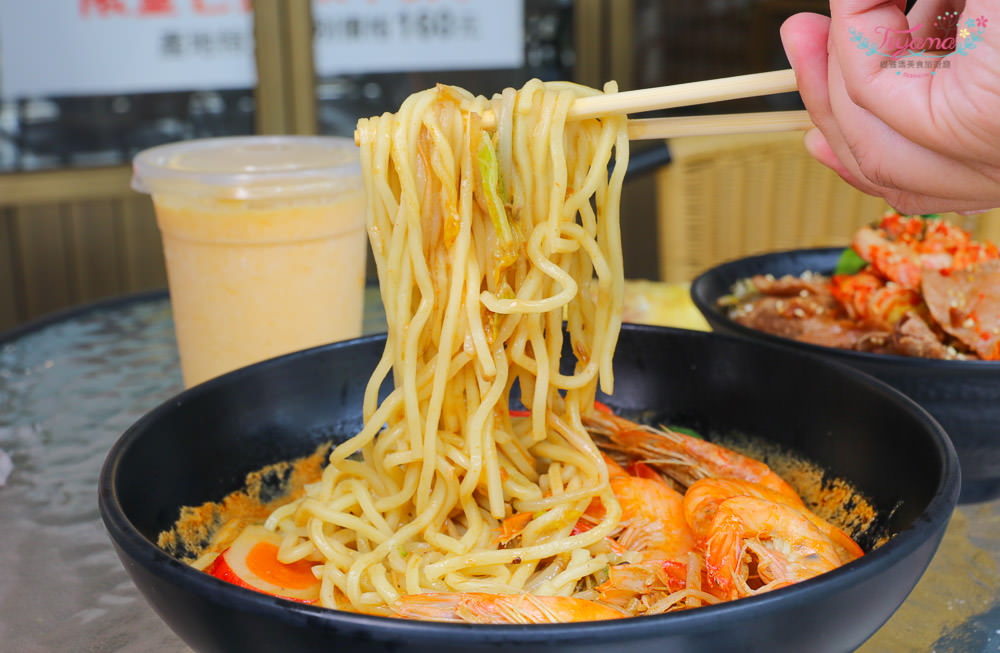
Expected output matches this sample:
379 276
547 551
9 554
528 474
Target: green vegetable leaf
687 431
493 191
850 262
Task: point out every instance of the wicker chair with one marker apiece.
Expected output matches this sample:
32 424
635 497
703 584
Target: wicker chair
723 197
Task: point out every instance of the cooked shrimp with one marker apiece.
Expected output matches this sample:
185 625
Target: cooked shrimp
614 469
680 456
703 498
483 608
652 518
866 296
654 536
629 580
892 260
900 246
657 586
628 583
784 545
944 246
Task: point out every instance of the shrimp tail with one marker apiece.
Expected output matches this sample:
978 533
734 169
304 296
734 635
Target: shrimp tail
723 557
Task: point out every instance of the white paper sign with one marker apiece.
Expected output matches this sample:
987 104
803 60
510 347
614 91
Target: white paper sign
367 36
104 47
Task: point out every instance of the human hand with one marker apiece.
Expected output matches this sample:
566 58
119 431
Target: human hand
925 142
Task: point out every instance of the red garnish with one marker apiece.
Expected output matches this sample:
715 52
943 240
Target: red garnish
603 407
252 562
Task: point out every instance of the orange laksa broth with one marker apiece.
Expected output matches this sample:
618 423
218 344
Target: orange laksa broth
701 523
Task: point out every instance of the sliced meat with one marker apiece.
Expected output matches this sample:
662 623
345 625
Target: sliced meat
789 285
833 333
966 304
806 317
914 337
876 342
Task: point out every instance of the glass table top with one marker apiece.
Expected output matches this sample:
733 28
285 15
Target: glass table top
73 383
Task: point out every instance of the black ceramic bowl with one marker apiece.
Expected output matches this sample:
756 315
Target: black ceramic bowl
964 396
200 445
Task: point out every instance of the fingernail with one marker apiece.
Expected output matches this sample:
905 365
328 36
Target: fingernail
786 48
789 55
813 140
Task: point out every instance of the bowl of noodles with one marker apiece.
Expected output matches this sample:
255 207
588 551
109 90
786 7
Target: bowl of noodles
870 460
921 338
520 470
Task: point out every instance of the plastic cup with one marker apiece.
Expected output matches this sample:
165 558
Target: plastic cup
264 243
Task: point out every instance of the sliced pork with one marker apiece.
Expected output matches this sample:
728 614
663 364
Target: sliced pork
966 304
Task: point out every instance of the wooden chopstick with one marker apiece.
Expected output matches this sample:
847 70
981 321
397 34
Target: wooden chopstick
677 95
729 123
691 93
683 95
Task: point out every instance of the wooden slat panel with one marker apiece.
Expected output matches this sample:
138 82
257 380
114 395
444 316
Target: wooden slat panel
985 226
141 253
758 174
669 228
622 52
271 111
300 72
10 313
819 184
790 205
56 255
50 186
727 197
589 39
94 247
40 237
704 191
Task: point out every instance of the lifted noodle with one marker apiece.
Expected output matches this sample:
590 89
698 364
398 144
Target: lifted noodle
484 243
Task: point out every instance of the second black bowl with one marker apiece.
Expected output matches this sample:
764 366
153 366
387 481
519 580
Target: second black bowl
964 396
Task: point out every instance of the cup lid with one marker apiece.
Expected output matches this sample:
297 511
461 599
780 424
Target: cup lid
249 167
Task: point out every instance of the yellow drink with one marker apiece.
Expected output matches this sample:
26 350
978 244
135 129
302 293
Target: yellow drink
263 265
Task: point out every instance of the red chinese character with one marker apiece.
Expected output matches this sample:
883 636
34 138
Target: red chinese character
102 7
210 8
156 7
